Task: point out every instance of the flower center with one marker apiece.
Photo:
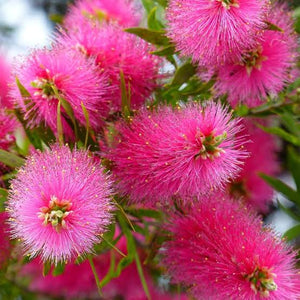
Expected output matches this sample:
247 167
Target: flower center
229 3
97 15
262 281
253 59
210 143
44 88
55 213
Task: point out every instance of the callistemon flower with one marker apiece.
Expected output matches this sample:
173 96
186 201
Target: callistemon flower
221 250
59 204
116 52
262 158
49 75
180 152
121 12
265 69
215 31
4 80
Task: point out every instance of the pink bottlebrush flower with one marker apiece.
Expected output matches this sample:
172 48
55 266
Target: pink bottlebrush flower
215 31
264 70
4 80
59 203
4 240
116 51
262 158
221 251
121 12
75 79
180 152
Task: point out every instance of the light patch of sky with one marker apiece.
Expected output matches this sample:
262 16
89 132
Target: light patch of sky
32 29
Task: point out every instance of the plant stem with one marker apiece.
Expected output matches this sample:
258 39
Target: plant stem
95 275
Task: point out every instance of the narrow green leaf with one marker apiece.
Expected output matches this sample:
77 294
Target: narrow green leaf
59 125
125 96
46 267
110 274
290 123
3 198
88 125
272 26
59 269
289 212
294 166
165 51
141 275
163 3
150 213
148 5
292 233
67 107
282 188
10 159
281 133
153 23
156 37
24 93
183 74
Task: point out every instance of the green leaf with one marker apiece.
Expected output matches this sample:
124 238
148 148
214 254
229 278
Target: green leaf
281 133
46 268
148 5
3 198
156 37
282 188
10 159
289 212
23 91
184 73
59 125
165 51
242 110
59 269
150 213
163 3
272 26
292 233
141 275
89 131
153 23
290 122
125 96
294 166
56 18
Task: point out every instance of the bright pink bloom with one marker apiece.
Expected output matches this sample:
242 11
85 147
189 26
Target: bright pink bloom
121 12
264 70
4 80
75 79
222 251
181 152
262 158
4 240
116 51
215 31
59 203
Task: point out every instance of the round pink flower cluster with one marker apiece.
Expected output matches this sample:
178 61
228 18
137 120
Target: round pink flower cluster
234 40
59 204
